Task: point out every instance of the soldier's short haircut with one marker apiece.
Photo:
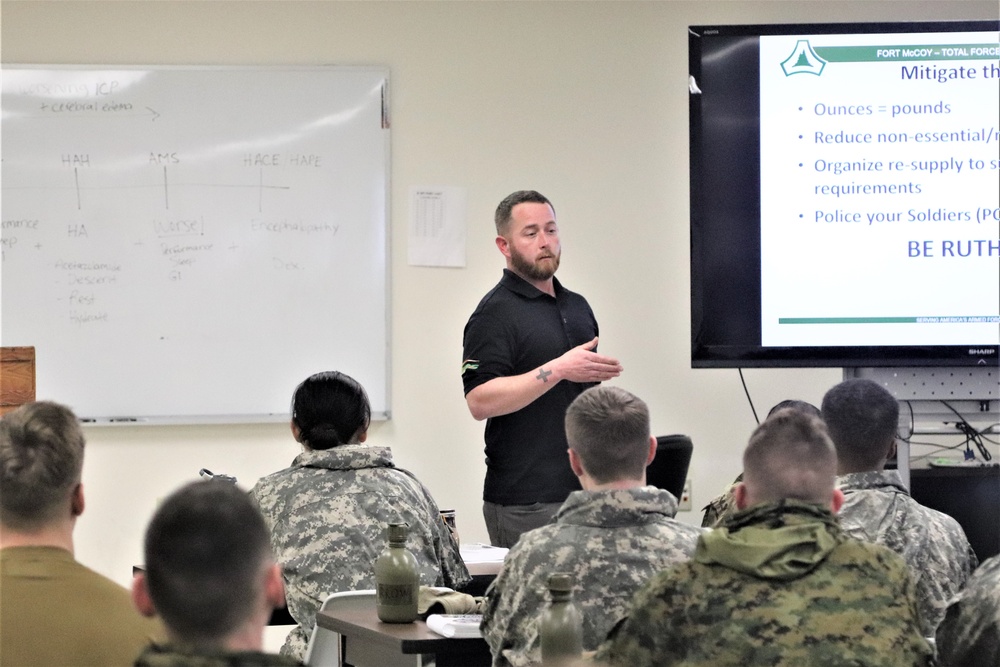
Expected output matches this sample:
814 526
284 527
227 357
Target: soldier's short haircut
207 551
41 461
795 404
608 428
790 456
330 409
862 417
505 209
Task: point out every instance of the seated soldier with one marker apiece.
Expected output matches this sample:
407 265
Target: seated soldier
779 583
862 418
211 577
329 512
613 535
724 506
53 610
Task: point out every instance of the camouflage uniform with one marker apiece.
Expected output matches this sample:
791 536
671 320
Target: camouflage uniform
189 656
722 507
969 635
612 541
778 584
328 515
877 508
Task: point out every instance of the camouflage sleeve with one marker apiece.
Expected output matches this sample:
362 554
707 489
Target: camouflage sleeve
301 606
898 634
642 638
510 609
722 507
971 560
256 496
970 631
933 544
454 573
453 570
711 513
941 563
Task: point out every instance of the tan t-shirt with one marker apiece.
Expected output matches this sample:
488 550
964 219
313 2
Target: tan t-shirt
55 611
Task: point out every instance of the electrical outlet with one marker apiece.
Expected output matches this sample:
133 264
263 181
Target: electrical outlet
684 502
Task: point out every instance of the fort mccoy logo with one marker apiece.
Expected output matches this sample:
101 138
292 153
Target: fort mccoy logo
803 60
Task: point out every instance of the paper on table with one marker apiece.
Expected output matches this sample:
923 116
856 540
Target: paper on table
457 626
482 553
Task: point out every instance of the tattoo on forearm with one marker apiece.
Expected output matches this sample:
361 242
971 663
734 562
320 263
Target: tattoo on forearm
543 375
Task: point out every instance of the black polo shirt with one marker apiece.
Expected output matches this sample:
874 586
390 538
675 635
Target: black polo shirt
515 329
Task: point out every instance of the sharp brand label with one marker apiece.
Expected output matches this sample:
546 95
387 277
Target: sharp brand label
984 352
396 593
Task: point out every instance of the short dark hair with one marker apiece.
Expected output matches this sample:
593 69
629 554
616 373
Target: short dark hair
795 404
207 550
790 456
502 217
330 409
41 461
608 428
863 418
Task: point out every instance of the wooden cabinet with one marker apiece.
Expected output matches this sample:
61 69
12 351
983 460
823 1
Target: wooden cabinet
17 377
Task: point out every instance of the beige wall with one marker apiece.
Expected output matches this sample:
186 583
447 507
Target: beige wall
585 101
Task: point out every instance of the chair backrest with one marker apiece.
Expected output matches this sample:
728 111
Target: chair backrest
670 467
324 645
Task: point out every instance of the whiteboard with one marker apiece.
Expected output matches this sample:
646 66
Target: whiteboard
187 244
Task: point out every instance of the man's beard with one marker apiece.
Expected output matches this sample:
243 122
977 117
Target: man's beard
531 270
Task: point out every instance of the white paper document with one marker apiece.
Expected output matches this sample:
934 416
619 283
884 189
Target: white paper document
457 626
437 226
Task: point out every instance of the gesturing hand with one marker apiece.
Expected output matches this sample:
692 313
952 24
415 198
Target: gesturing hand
582 364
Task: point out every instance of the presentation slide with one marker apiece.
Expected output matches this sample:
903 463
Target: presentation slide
880 189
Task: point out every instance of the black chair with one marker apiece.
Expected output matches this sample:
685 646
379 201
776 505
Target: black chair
670 467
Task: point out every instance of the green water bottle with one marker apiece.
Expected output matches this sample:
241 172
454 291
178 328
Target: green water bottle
560 627
397 581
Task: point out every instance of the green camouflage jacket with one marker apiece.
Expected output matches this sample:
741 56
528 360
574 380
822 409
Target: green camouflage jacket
779 584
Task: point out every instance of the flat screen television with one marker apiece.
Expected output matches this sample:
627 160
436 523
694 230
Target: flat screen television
845 194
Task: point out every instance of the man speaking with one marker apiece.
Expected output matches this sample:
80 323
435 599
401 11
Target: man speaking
530 348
